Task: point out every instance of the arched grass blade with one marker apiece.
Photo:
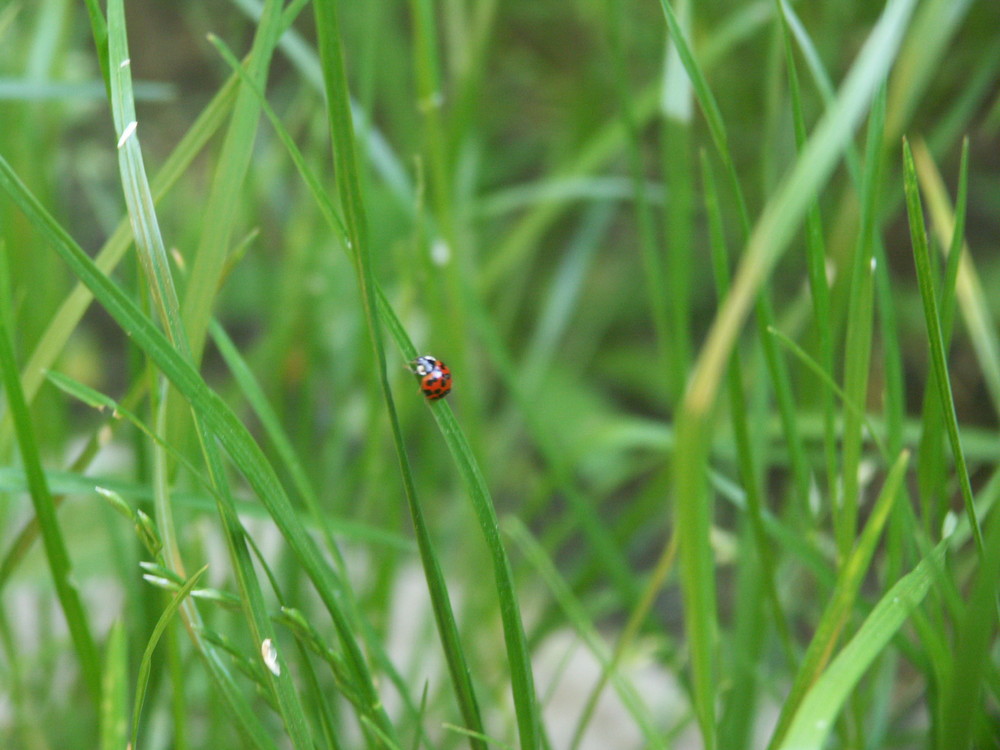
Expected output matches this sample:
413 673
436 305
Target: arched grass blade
814 719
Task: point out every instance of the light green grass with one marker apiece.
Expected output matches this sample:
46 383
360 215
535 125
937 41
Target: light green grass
205 322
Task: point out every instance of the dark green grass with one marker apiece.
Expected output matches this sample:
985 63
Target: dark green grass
727 374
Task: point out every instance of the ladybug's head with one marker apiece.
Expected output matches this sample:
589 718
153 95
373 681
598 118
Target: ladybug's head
423 365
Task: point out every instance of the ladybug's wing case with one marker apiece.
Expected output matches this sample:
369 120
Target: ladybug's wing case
436 384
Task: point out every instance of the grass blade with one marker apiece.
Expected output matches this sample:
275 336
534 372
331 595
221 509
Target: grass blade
678 175
352 204
99 30
649 250
921 257
857 348
146 664
969 290
739 416
56 553
816 259
73 307
588 633
841 603
931 475
815 716
114 725
962 711
221 206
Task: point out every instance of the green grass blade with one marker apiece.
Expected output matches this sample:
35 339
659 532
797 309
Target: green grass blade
271 423
816 259
775 365
146 664
686 511
522 680
816 714
438 590
650 252
969 289
101 402
245 718
352 203
138 196
932 475
962 709
513 252
828 382
99 30
857 349
588 633
114 722
768 240
22 542
564 296
692 507
73 307
221 205
921 56
921 256
436 583
258 401
739 416
53 541
607 554
956 244
447 626
323 202
887 299
692 516
841 603
678 175
710 108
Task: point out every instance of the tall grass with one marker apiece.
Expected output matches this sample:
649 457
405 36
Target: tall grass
640 519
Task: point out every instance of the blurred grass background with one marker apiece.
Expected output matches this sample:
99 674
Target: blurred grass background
734 412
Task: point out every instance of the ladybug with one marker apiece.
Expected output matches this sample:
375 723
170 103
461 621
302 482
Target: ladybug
435 377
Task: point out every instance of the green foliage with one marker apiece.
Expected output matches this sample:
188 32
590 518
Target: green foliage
232 514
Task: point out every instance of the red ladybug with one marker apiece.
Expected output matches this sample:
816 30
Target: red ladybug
435 377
